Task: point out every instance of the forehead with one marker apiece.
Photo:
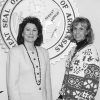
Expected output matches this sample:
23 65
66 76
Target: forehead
82 24
30 25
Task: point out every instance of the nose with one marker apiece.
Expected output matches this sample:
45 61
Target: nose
77 31
31 32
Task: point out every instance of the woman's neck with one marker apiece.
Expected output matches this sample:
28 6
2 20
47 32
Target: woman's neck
82 44
29 46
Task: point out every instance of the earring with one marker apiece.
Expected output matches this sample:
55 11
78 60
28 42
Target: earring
22 35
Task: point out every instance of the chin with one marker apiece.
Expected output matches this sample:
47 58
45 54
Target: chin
30 41
78 41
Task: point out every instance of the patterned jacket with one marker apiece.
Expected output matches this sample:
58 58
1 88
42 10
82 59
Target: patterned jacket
81 79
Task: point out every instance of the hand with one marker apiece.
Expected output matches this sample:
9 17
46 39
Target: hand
59 99
81 99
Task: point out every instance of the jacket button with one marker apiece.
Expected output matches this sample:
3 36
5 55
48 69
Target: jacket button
40 88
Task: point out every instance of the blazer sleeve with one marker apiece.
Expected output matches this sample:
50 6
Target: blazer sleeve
48 76
13 75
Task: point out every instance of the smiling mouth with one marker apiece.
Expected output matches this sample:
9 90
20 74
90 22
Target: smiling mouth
77 36
30 36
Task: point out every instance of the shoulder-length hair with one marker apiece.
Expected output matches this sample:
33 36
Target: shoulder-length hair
33 20
84 21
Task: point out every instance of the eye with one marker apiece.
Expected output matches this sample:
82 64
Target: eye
74 29
81 28
34 30
27 29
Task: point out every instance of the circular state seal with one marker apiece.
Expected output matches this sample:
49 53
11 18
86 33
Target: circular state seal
55 16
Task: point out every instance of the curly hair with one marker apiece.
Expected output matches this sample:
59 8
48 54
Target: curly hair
33 20
84 21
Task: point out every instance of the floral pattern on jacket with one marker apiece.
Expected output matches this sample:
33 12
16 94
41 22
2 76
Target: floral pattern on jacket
81 79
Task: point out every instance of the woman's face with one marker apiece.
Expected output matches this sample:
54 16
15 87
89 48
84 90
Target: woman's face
30 33
79 31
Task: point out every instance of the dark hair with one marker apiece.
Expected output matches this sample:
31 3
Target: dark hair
90 36
33 20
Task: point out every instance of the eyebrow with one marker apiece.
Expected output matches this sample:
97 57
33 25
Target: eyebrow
29 28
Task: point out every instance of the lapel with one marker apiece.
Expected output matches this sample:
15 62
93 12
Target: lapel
25 55
41 56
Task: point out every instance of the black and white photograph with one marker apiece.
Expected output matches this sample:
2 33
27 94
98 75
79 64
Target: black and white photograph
49 50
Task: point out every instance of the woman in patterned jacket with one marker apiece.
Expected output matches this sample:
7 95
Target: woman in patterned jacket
81 79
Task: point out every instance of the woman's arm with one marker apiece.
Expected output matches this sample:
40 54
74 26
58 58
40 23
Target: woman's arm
13 75
48 78
92 72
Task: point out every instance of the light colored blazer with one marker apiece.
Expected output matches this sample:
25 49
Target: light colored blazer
20 74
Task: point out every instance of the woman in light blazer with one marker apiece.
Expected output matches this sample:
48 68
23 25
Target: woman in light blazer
28 67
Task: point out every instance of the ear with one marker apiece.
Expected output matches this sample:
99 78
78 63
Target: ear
37 35
22 34
87 32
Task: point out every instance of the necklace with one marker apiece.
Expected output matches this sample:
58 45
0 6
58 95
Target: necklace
38 68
